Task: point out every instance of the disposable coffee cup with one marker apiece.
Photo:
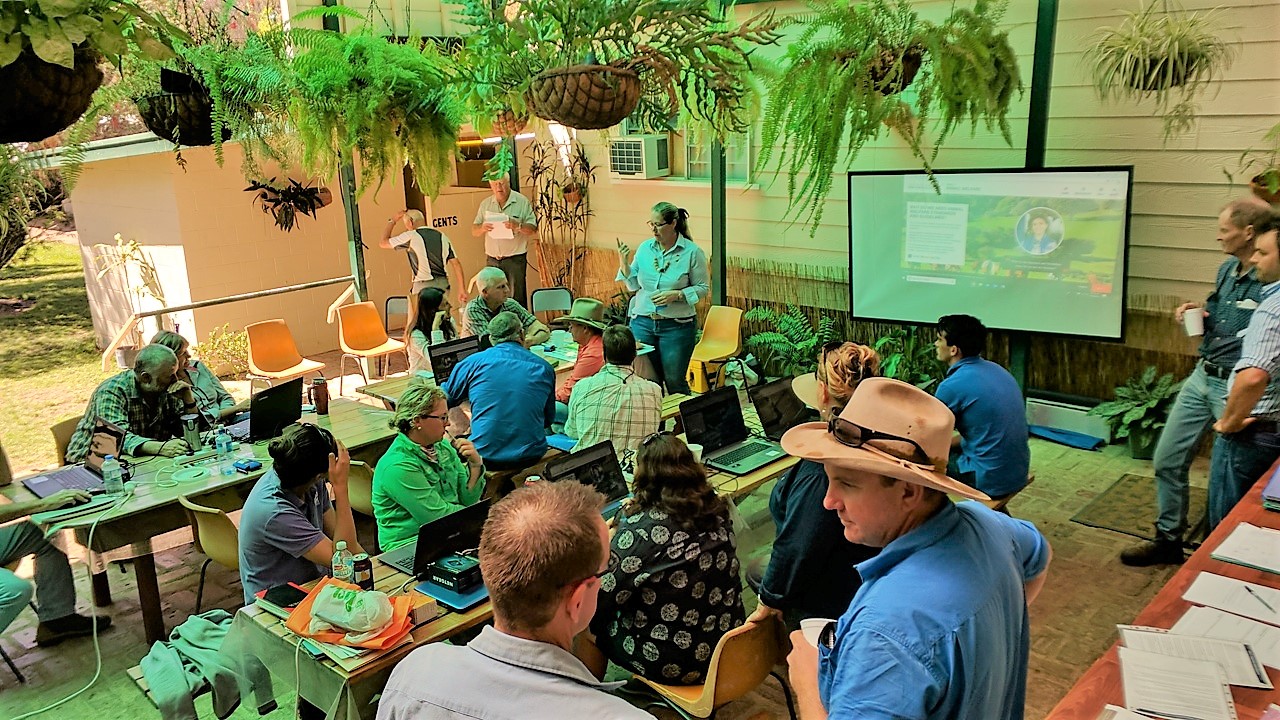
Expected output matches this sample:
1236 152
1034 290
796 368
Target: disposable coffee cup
812 628
437 337
696 449
1193 321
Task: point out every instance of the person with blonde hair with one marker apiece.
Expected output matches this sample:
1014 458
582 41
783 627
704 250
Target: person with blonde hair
810 571
424 475
431 256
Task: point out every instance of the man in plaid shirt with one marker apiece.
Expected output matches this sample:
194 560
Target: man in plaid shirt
615 403
147 401
494 298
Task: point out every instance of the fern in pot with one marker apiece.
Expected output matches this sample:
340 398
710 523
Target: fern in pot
790 343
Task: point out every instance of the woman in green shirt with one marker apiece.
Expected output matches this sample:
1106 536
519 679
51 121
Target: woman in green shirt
423 476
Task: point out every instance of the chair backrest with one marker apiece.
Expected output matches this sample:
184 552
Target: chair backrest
360 328
62 432
742 660
215 535
551 299
723 327
397 306
271 347
360 487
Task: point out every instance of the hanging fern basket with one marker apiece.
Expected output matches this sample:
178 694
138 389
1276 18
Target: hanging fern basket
1262 188
39 99
1153 74
892 71
182 113
508 124
585 97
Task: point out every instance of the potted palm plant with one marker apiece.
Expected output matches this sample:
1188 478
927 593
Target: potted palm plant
1140 409
1163 53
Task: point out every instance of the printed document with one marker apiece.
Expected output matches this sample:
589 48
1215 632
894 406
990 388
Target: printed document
1214 623
500 230
1238 662
1173 687
1251 546
1235 596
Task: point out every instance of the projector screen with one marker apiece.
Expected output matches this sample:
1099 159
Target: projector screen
1042 251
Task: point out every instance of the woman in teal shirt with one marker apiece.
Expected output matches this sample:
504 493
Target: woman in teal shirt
212 399
422 476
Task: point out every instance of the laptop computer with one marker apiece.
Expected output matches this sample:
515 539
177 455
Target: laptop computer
445 355
596 466
270 412
778 407
453 533
107 440
714 421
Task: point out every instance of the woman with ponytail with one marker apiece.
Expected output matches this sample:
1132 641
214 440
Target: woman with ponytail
669 277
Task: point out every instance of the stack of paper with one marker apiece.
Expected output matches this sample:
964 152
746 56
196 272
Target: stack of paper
1172 687
1251 546
1235 596
1271 493
1239 664
1264 639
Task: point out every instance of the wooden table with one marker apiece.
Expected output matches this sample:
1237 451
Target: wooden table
1101 683
343 695
362 427
388 391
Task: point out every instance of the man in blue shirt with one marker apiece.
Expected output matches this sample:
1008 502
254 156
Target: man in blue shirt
1249 439
990 452
512 395
1236 292
939 629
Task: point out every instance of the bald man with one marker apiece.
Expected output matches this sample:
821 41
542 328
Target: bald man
431 255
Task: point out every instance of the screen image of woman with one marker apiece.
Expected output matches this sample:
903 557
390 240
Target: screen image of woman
1040 230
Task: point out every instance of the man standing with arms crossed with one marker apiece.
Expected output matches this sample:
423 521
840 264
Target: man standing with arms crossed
1200 402
506 242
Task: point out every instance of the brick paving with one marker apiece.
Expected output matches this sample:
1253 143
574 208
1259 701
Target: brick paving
1087 593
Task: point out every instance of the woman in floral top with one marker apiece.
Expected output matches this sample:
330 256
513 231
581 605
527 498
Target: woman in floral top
676 589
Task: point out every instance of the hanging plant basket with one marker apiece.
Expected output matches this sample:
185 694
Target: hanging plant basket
182 113
889 76
39 99
508 124
1153 74
585 97
1262 189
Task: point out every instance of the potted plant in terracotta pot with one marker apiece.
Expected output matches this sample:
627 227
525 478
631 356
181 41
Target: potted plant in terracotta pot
1262 167
1164 53
49 55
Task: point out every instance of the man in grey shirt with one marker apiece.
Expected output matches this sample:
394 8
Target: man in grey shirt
506 221
542 553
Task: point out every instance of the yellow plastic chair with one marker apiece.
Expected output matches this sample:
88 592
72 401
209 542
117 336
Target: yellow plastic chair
360 487
743 658
273 355
215 536
361 334
62 432
721 340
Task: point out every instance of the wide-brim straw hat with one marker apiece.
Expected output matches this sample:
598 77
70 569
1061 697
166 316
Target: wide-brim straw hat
585 311
891 407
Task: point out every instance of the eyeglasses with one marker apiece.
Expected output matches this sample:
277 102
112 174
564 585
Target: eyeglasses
655 225
854 435
645 442
434 417
611 566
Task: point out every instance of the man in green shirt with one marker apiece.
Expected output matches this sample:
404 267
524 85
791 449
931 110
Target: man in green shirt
422 476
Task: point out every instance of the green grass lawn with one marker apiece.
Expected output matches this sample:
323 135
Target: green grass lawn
49 362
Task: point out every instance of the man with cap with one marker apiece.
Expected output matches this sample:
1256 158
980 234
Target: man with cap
939 627
586 325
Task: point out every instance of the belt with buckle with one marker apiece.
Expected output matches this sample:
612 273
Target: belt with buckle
1215 371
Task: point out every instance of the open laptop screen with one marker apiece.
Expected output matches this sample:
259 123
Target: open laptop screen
778 407
445 355
453 533
714 420
596 466
107 440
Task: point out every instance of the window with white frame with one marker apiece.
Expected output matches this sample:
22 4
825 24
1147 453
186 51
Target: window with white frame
737 157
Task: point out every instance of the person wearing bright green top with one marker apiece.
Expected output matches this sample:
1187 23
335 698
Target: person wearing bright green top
423 476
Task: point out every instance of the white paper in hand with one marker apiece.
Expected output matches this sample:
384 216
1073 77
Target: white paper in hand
500 230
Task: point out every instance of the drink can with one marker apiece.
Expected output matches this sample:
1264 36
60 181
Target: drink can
362 574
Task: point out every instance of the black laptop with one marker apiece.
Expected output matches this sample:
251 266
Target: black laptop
270 412
596 466
107 440
778 407
714 421
454 533
445 355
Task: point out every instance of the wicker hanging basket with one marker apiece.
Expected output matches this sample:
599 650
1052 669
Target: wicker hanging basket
889 77
182 113
1153 74
38 99
585 97
508 124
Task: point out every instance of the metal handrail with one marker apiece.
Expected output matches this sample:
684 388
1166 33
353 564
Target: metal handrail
132 323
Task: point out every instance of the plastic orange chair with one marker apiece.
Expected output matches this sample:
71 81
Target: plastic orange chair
721 340
273 355
361 334
215 535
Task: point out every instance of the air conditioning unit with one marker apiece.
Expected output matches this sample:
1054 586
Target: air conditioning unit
640 157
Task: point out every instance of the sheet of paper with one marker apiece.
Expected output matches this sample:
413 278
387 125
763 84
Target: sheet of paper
500 231
1235 596
1238 662
1214 623
1112 712
1174 687
1251 546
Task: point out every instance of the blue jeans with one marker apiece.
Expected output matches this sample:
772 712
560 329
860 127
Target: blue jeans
1238 461
1198 405
57 592
673 343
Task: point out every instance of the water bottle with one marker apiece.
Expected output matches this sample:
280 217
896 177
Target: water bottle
222 443
112 476
343 564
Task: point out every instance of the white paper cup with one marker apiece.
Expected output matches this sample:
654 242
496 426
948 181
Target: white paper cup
812 628
1193 321
696 449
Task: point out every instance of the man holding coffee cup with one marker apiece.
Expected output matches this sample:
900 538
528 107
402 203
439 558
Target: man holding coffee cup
1237 292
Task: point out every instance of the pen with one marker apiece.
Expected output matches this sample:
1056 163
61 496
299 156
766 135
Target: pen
1171 716
1258 597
